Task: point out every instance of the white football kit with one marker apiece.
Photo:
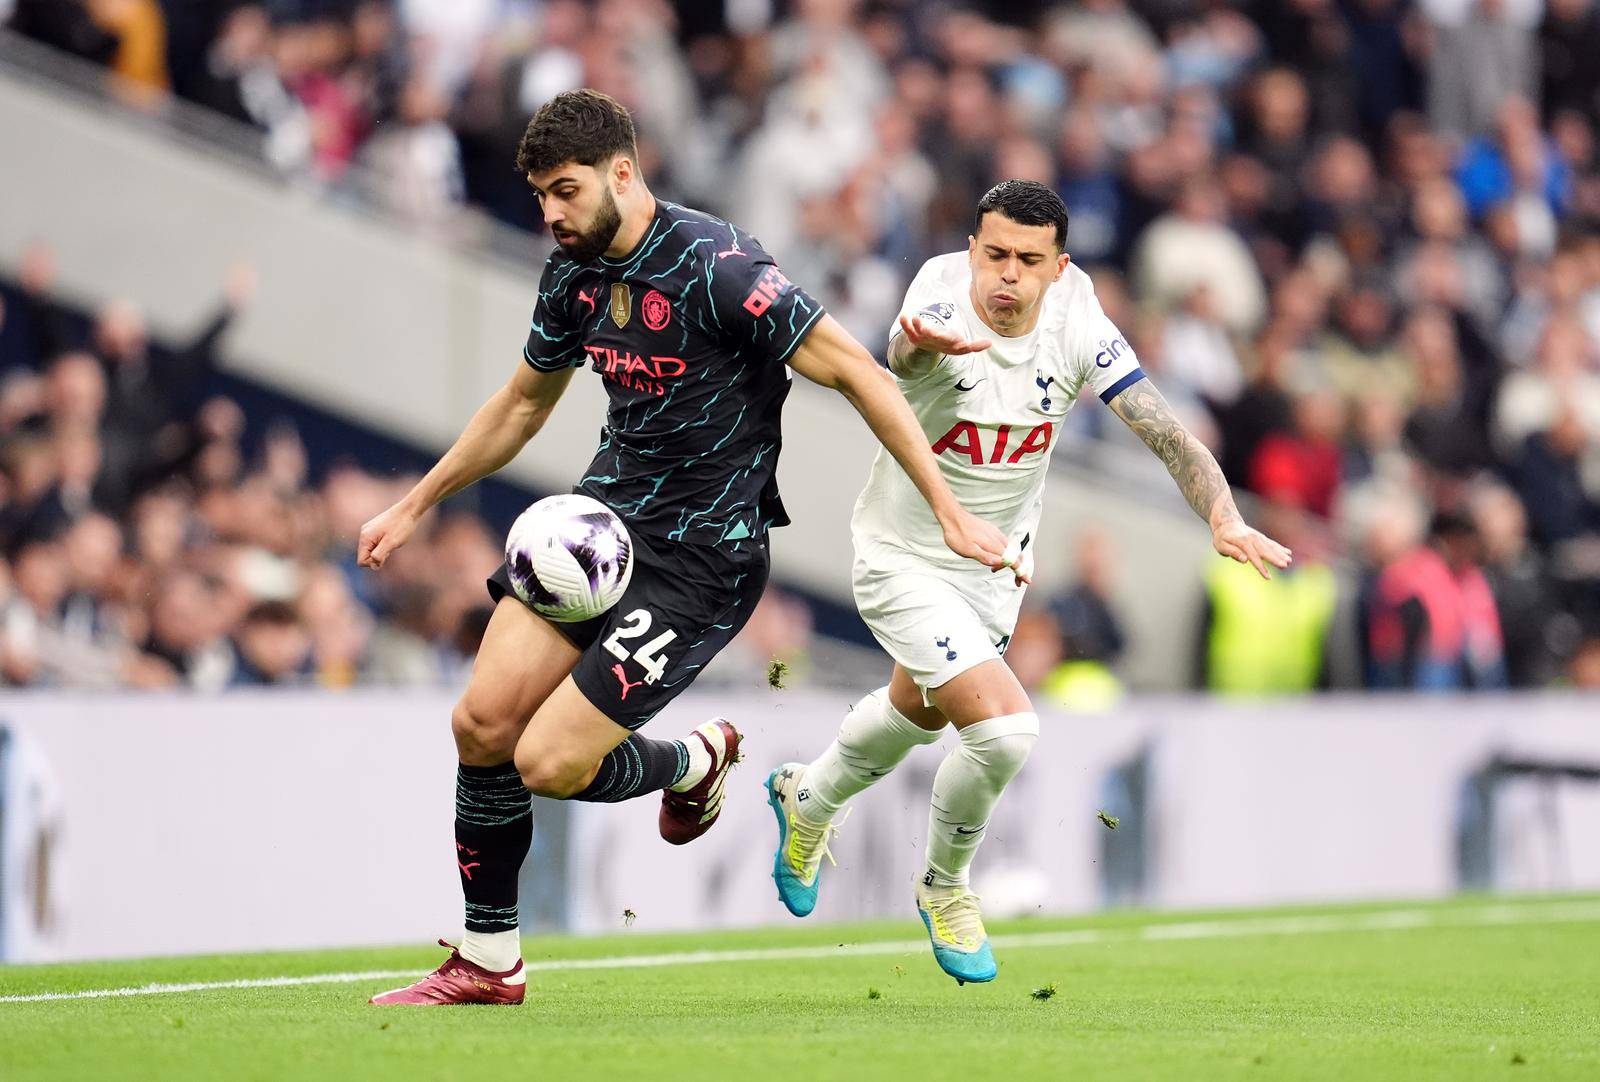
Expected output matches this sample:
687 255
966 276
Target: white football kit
992 419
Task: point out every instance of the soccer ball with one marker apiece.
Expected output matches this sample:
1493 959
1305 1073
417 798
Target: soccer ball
569 557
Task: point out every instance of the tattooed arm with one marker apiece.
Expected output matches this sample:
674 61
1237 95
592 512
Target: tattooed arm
1199 478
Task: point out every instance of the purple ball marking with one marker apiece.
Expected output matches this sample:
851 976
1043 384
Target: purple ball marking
523 575
599 544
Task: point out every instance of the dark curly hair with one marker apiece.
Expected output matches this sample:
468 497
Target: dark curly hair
1026 202
583 126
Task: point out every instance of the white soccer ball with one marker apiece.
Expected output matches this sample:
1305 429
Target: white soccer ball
569 557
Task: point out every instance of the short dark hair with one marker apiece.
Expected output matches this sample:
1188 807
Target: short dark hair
1026 202
583 126
277 613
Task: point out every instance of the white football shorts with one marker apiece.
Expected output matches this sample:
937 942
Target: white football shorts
937 622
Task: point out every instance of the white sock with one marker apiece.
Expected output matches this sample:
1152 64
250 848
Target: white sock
871 742
494 951
967 788
699 764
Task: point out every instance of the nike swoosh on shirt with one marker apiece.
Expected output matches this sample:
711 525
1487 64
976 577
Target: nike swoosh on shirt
959 386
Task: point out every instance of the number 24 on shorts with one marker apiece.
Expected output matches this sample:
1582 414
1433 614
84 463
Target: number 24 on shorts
634 625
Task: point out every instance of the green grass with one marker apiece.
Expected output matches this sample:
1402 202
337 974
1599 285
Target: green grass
1478 989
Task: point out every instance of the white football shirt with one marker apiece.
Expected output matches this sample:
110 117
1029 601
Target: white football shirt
991 417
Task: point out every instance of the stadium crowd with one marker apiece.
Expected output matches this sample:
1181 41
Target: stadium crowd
145 547
1356 242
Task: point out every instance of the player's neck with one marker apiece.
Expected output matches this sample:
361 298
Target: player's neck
636 221
1019 330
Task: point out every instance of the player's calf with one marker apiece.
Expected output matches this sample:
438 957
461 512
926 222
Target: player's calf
968 786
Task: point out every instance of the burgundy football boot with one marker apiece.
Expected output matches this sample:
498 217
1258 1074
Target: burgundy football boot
686 816
457 981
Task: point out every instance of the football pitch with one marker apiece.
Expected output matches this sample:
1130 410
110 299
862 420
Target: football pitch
1475 988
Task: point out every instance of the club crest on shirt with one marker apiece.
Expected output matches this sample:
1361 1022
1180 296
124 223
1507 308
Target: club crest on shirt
621 304
655 310
944 311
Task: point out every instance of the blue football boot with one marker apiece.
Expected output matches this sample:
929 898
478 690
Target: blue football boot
797 865
955 928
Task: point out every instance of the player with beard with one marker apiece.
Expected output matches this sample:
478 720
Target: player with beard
693 329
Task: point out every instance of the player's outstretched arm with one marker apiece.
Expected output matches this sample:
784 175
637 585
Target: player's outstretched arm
830 357
1143 409
501 427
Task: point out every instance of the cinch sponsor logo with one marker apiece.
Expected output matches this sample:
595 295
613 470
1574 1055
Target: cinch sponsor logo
768 288
966 438
1110 352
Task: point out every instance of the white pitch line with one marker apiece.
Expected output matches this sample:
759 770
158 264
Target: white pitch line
1375 921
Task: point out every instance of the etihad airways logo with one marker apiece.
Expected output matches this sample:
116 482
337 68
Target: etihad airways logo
634 370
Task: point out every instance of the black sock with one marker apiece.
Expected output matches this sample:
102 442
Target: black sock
634 767
494 827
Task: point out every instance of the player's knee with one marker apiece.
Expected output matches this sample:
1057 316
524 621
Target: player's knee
1002 744
480 737
550 775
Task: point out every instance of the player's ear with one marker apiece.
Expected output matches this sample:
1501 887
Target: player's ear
622 171
1061 265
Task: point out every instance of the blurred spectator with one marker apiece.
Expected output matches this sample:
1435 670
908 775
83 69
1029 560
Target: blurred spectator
1557 478
1304 467
418 158
1085 615
1199 351
240 78
1269 636
186 631
1484 52
1431 621
1074 660
1088 185
1191 247
141 55
273 647
1569 40
1564 380
1517 162
1443 430
1521 590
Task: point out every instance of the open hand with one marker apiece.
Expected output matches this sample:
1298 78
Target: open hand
934 337
1250 546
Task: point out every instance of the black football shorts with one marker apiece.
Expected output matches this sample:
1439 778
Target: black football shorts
684 603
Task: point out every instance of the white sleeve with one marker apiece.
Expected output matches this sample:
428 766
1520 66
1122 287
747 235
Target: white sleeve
930 297
1103 359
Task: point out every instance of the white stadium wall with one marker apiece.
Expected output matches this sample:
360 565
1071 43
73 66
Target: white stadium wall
262 821
410 335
